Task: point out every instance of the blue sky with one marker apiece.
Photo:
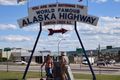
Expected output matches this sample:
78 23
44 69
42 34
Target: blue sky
105 33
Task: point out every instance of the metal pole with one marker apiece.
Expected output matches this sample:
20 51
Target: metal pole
87 3
7 60
56 1
94 77
27 67
59 46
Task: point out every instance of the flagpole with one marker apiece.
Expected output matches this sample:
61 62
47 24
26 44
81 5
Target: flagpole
28 6
87 3
56 1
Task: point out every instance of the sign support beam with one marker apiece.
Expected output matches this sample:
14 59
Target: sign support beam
27 67
94 77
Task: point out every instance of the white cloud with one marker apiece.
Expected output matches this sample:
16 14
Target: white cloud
16 38
99 1
7 26
8 2
103 1
32 28
117 0
109 24
107 18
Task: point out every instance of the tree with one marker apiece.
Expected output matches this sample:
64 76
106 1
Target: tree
118 56
12 57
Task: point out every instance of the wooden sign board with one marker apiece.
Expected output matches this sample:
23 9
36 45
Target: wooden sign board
58 14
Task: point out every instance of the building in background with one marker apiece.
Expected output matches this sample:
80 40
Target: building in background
19 54
0 53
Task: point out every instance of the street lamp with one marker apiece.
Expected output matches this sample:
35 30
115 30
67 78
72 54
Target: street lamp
59 45
7 50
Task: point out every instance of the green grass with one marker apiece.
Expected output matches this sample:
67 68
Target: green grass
18 75
98 77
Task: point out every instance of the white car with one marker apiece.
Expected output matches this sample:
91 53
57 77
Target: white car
20 62
91 60
112 61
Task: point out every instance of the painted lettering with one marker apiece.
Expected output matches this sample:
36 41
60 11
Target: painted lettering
68 10
61 15
82 18
46 17
93 19
76 17
53 16
35 19
88 20
70 16
45 11
24 22
28 20
40 17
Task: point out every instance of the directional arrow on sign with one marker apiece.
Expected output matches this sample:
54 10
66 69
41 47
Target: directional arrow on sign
62 30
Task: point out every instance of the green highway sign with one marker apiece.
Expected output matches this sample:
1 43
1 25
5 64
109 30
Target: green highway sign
79 50
7 49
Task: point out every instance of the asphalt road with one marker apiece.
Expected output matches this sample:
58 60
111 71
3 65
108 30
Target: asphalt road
76 68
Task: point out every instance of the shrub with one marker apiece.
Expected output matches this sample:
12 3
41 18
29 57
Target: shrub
3 59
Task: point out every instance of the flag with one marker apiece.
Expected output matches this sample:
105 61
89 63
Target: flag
117 17
80 0
21 1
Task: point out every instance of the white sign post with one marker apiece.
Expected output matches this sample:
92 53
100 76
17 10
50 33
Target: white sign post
67 18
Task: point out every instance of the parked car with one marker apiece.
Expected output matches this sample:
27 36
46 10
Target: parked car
112 62
107 62
84 62
20 62
101 63
91 60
